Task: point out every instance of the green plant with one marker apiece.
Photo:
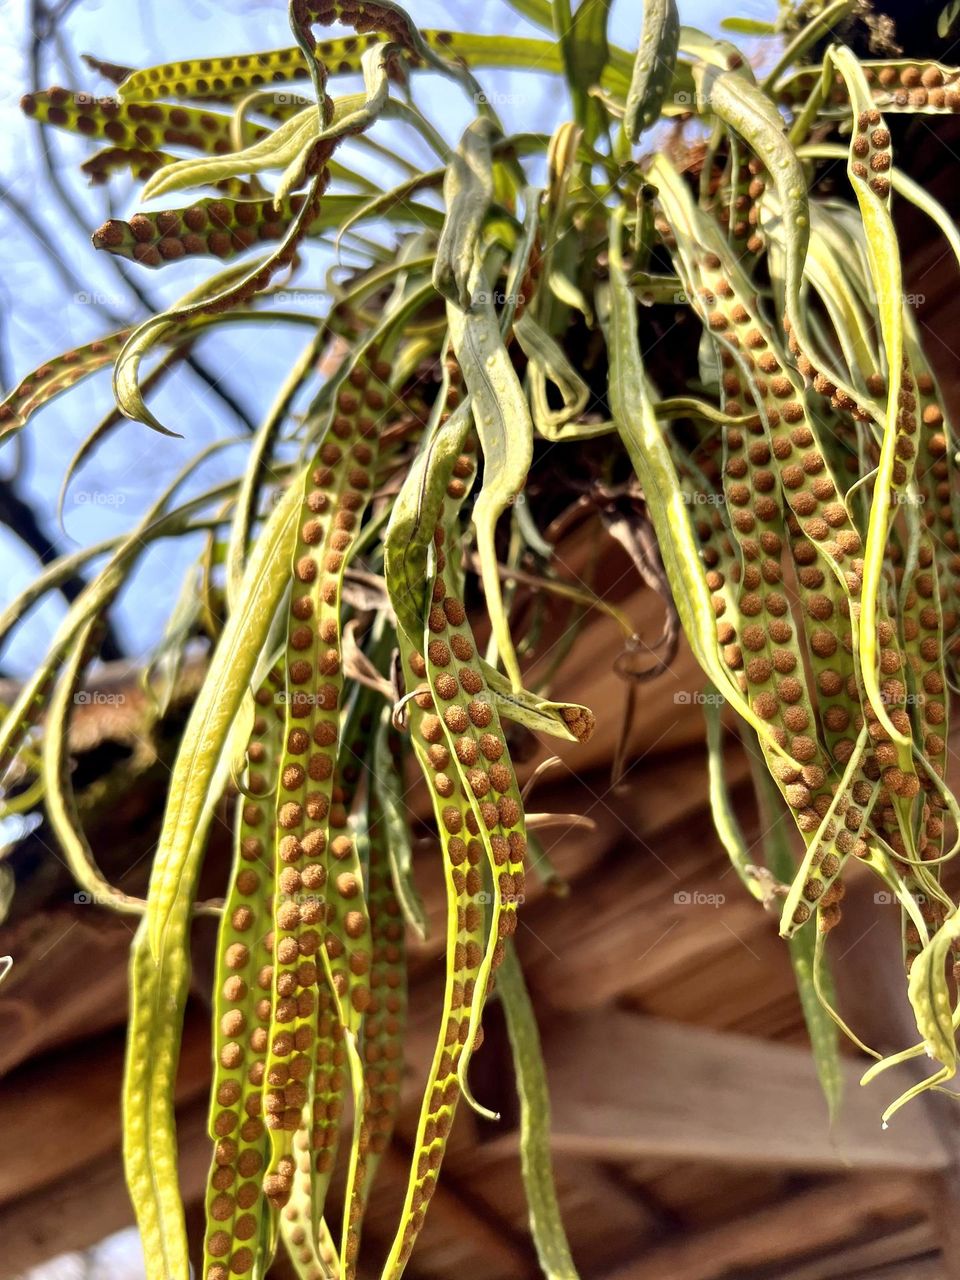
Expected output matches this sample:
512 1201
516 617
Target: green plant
798 472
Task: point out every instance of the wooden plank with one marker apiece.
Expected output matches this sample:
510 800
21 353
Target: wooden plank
458 1230
91 1202
59 1114
872 963
896 1253
69 979
685 1193
811 1223
604 1221
626 1087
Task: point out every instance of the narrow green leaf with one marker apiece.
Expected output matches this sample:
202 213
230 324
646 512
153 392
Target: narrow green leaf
583 42
56 376
748 27
467 194
207 731
505 428
546 1223
654 66
632 409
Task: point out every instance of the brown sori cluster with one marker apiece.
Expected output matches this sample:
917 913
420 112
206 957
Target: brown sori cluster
820 527
135 124
456 717
462 861
383 1031
218 79
141 162
362 15
819 513
915 85
933 474
222 228
243 1008
329 1088
115 72
472 730
829 645
893 84
580 721
320 902
921 622
313 1253
315 166
871 147
57 375
739 209
843 835
768 657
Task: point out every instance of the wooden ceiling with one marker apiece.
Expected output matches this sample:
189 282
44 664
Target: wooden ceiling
690 1135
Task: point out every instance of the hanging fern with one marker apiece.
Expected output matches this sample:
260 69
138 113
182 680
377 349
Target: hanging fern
798 473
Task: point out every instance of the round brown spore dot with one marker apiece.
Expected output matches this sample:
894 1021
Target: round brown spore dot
501 777
242 919
431 729
247 881
765 705
438 653
470 680
461 647
228 1093
446 686
218 1244
491 746
290 849
481 713
292 777
803 749
457 720
455 613
452 819
509 811
436 620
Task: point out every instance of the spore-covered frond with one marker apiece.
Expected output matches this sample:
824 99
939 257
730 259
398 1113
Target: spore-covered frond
694 336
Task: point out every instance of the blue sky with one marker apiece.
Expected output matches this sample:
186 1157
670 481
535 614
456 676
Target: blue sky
48 307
